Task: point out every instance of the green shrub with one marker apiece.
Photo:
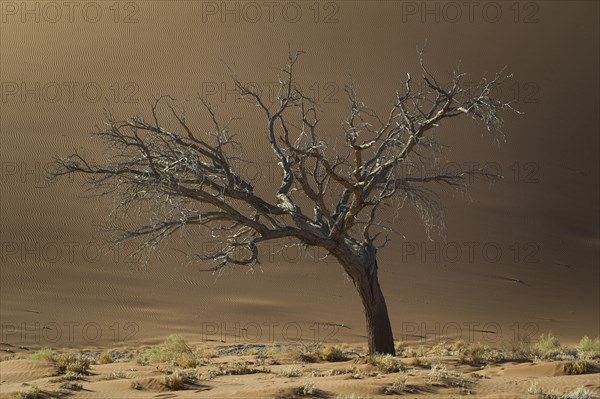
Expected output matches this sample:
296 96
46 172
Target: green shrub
174 350
548 347
44 354
176 344
579 366
588 348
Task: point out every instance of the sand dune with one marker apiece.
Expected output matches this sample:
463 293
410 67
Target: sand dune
520 257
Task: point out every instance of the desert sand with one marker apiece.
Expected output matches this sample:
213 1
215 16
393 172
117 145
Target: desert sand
443 370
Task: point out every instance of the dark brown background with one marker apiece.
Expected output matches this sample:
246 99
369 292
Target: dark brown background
550 206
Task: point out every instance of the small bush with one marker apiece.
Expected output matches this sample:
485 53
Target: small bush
519 349
74 363
171 350
71 376
104 358
117 375
399 347
186 361
174 381
438 373
458 346
477 354
308 388
580 366
207 353
548 347
239 368
176 344
307 353
535 388
291 372
32 393
409 351
386 363
588 348
421 362
398 386
439 350
71 386
580 393
333 354
44 354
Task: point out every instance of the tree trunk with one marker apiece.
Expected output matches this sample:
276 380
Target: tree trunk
363 271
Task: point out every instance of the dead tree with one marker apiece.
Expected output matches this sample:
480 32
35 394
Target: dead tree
178 178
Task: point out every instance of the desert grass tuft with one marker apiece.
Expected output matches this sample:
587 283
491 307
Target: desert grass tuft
386 363
237 368
291 372
397 386
174 349
44 354
308 389
579 366
74 363
421 362
578 393
306 353
71 386
477 354
548 347
32 393
333 353
535 388
105 358
175 380
588 348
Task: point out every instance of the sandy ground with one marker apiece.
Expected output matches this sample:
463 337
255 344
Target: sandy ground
274 371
